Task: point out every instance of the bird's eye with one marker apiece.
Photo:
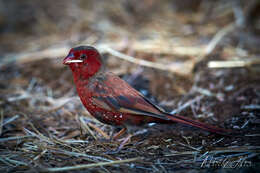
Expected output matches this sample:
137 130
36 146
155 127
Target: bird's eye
83 56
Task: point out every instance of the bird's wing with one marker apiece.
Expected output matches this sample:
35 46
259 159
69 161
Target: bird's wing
114 94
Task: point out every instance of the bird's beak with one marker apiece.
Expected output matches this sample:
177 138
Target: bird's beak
70 59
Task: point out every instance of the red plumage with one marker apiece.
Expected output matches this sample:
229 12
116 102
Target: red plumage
111 100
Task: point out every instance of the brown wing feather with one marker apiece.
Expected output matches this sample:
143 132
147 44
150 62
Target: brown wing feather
123 98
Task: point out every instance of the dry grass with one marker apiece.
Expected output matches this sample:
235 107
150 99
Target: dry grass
45 128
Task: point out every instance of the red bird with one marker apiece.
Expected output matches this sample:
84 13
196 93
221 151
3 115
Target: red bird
113 101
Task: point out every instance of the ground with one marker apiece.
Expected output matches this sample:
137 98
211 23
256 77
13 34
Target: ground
198 61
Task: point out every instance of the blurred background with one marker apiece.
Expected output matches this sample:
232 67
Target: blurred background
31 26
198 58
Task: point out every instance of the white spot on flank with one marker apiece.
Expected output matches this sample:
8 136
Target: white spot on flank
120 116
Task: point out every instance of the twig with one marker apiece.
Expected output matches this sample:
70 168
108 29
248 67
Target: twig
217 38
221 139
251 107
15 138
203 91
1 121
134 60
227 64
16 162
40 136
244 125
55 104
75 154
85 126
72 141
252 135
215 41
35 56
223 151
188 146
252 63
84 166
61 52
187 104
9 120
39 155
175 68
162 47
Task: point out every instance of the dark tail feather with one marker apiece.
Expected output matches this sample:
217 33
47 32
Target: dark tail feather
207 127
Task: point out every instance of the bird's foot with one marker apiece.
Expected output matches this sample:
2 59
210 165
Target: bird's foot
118 134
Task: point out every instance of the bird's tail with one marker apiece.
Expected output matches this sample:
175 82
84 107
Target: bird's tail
207 127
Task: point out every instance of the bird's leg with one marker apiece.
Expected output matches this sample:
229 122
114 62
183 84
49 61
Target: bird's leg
120 133
125 140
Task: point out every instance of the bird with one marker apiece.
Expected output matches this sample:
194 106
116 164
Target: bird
111 100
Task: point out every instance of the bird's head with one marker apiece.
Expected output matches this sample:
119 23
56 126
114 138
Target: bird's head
84 61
